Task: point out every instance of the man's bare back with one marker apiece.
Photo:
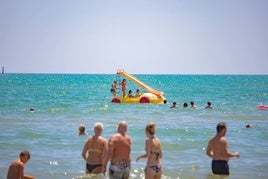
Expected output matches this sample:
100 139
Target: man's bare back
119 148
218 150
121 145
16 168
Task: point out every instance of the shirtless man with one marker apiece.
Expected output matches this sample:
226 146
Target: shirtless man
16 169
94 151
218 150
119 147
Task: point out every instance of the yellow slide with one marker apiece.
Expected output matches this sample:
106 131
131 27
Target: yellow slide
141 84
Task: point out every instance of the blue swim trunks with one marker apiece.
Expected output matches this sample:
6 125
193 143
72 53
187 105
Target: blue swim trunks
220 167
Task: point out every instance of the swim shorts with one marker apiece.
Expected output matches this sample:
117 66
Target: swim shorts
220 167
119 170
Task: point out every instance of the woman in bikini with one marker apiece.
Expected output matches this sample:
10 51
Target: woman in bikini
94 150
124 87
153 169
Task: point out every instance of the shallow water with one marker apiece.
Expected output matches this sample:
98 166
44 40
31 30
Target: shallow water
63 101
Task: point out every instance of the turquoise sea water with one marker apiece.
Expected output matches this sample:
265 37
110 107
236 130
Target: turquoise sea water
63 101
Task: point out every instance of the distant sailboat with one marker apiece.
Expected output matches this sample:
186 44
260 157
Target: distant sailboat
3 69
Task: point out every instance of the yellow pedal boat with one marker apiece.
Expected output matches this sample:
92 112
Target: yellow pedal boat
153 96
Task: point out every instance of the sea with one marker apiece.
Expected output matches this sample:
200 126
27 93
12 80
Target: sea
41 113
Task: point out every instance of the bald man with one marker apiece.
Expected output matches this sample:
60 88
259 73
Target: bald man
119 148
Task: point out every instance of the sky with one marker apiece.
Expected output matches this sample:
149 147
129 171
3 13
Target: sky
137 36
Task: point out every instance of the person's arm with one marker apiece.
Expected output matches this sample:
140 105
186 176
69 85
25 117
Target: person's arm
109 154
85 148
20 170
160 154
28 177
209 151
226 150
21 173
104 153
105 149
146 150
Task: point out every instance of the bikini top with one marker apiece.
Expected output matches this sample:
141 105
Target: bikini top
94 150
91 149
157 154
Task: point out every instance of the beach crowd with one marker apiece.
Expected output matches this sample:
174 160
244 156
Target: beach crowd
97 152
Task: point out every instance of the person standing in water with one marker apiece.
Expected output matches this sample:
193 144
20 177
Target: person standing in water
113 88
218 150
94 150
118 154
153 153
124 87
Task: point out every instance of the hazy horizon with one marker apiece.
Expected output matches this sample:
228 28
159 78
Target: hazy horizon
140 37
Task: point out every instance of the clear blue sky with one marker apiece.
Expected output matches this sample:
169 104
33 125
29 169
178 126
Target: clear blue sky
141 36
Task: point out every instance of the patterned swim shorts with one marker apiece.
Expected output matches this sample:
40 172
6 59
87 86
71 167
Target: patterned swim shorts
119 170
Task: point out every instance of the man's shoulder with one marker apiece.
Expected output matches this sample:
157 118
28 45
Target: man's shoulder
118 136
212 138
223 140
17 163
127 136
113 137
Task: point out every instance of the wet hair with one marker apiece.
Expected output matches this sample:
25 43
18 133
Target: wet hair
192 103
82 128
248 126
220 127
150 128
25 153
209 103
174 103
185 105
98 126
